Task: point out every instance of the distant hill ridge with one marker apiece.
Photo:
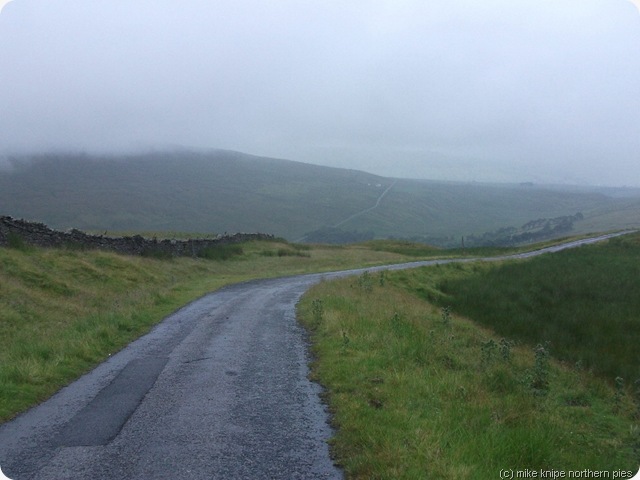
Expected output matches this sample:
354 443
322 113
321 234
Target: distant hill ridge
221 191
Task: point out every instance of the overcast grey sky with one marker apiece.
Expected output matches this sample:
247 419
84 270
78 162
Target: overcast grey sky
491 90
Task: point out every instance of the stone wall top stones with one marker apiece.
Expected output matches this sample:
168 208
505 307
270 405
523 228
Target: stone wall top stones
38 234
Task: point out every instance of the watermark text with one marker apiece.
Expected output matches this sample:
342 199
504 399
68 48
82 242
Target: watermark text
551 473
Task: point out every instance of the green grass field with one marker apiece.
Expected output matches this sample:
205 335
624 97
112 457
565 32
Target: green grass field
421 391
584 301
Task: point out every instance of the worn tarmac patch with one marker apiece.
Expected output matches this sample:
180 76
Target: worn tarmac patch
102 419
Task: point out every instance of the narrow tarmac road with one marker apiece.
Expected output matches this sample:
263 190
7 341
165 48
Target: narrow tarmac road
218 390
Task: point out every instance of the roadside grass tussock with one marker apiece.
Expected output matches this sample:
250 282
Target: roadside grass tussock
418 391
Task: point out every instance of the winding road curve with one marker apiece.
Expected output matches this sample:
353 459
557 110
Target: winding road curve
219 389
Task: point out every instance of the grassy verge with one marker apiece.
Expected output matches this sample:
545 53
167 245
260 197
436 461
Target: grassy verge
419 392
64 311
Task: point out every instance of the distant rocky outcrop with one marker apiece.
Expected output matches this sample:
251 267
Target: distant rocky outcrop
13 231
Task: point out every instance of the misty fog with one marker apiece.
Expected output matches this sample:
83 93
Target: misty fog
543 91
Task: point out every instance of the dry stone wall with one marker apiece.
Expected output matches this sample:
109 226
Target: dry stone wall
38 234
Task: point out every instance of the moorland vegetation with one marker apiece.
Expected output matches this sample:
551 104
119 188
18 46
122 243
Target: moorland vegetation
221 191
